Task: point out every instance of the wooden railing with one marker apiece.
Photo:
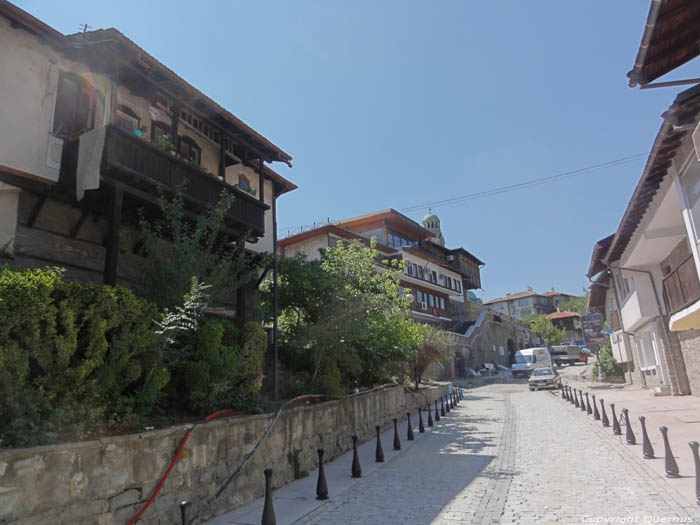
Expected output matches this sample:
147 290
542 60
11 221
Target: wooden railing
135 161
681 286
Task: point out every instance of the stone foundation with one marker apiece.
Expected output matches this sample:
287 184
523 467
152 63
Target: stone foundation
107 481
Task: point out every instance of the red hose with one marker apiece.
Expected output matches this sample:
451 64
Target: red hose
172 464
208 418
162 480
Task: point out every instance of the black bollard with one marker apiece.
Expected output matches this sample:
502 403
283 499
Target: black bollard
379 452
442 406
566 393
447 404
571 395
583 403
603 414
453 402
356 469
456 398
576 399
647 449
696 458
437 413
430 416
409 432
397 443
321 486
629 434
184 508
596 414
561 391
589 410
421 428
616 424
670 464
268 515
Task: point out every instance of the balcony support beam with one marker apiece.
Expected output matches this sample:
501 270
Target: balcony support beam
112 247
261 179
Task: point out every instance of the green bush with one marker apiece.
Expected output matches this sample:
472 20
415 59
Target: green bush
73 357
223 367
609 365
78 358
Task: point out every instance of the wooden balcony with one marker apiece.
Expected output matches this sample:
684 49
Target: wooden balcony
141 168
615 321
681 286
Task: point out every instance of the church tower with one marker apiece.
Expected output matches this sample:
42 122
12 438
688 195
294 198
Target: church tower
431 222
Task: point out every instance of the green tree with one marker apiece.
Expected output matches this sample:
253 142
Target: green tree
543 327
576 304
343 322
179 249
436 345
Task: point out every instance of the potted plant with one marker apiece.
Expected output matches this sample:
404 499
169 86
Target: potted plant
163 142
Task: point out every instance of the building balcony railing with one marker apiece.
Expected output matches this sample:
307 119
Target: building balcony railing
615 321
143 167
681 286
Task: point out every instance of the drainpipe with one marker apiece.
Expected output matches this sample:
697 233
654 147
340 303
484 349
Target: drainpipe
622 323
667 340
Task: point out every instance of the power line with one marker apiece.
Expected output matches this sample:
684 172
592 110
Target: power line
495 191
526 184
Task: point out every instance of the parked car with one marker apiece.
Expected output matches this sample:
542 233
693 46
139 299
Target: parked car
565 354
527 359
544 378
583 356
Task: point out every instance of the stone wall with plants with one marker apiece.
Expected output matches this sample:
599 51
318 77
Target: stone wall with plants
107 481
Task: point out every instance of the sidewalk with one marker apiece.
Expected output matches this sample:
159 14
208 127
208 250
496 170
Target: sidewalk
681 414
298 498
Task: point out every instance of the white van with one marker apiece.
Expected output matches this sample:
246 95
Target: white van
528 359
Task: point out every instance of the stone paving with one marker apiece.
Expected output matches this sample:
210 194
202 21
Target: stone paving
504 455
507 455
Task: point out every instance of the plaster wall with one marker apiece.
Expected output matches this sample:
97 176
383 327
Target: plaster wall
27 94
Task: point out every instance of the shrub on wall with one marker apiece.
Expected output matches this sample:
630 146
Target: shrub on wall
223 367
77 358
72 356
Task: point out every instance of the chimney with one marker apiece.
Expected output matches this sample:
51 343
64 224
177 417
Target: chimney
507 294
552 288
558 308
529 288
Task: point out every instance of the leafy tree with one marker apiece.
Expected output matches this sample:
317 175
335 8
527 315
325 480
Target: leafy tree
436 345
343 322
543 327
576 304
179 250
608 364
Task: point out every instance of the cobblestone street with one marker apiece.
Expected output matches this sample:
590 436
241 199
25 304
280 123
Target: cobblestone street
506 455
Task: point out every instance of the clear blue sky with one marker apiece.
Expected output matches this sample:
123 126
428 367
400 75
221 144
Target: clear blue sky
398 103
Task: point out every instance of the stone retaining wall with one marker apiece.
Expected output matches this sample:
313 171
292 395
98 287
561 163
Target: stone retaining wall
106 482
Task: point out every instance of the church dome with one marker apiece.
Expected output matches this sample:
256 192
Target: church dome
431 217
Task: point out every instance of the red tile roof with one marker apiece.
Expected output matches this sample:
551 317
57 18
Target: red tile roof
563 315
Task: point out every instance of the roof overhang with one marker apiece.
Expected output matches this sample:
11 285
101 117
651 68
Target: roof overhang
599 290
392 218
670 39
683 111
332 229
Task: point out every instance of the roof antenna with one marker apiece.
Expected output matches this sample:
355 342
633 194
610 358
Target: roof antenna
84 27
